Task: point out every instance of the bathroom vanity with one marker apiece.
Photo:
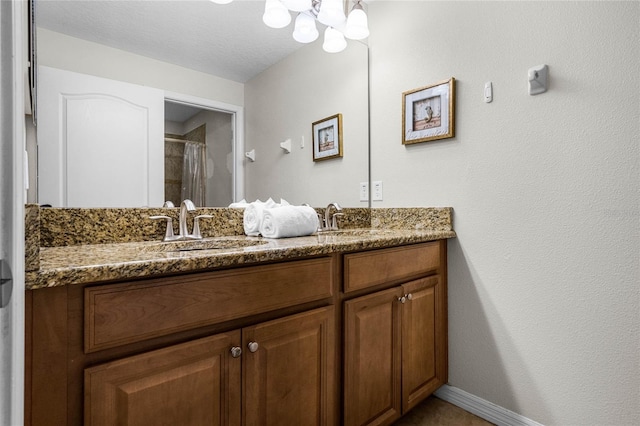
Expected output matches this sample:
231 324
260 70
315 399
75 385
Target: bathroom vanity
338 328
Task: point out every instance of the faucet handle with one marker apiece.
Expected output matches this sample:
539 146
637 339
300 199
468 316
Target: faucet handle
168 205
196 225
168 235
334 221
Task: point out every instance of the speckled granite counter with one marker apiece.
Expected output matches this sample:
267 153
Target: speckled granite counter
60 265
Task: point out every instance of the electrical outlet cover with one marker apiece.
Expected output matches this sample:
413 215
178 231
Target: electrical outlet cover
364 191
377 190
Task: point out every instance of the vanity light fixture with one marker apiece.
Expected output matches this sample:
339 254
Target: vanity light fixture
329 13
277 14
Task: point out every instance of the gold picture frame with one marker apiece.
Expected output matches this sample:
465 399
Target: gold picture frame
327 138
428 113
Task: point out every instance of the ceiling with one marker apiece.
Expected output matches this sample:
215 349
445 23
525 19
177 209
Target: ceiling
229 41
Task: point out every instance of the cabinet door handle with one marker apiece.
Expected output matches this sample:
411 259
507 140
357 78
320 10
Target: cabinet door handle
236 351
409 296
253 346
402 299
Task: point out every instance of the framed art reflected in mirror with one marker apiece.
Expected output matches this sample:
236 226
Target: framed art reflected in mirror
327 138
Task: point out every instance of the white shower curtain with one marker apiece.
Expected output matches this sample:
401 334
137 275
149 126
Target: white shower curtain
194 173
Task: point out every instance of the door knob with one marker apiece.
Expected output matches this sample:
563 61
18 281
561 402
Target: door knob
253 346
236 351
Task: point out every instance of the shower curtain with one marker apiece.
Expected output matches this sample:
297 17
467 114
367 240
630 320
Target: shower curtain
194 173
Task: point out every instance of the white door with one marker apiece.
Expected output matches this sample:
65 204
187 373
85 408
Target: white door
12 129
100 142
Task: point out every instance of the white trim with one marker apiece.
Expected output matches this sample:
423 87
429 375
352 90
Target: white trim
15 186
482 408
238 133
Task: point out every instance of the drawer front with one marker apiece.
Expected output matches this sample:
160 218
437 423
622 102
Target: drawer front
124 313
368 269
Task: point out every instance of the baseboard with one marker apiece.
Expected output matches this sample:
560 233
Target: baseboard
482 408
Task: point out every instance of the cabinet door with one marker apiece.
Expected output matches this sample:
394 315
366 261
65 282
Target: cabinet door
195 383
424 340
372 359
288 370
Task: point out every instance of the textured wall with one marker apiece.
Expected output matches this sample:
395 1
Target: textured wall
544 296
283 102
73 54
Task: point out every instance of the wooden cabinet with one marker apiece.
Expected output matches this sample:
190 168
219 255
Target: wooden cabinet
395 347
191 384
164 350
424 340
159 351
129 312
285 368
372 358
288 371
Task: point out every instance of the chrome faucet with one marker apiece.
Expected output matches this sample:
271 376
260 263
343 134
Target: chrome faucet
330 220
186 207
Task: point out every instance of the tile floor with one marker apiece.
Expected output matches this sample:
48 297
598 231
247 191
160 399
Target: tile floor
436 412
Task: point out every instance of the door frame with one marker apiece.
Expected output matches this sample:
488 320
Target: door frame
237 118
14 65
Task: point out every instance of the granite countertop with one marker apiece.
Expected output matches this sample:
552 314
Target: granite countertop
66 246
77 264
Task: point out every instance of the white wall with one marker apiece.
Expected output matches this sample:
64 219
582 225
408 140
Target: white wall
69 53
283 102
544 275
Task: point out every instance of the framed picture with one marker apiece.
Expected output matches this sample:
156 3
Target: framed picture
327 138
428 113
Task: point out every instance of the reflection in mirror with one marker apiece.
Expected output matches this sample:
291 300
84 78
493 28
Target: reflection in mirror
284 101
279 94
198 155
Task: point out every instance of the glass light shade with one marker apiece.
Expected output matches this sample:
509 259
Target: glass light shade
296 5
357 27
305 30
331 13
334 41
275 14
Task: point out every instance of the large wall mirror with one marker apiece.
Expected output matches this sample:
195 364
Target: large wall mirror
225 84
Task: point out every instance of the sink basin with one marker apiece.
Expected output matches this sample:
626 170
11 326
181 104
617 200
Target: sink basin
204 244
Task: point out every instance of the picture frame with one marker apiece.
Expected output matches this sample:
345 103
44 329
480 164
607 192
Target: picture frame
428 113
327 138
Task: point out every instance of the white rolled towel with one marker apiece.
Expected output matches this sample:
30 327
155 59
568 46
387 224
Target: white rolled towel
252 216
239 204
289 221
